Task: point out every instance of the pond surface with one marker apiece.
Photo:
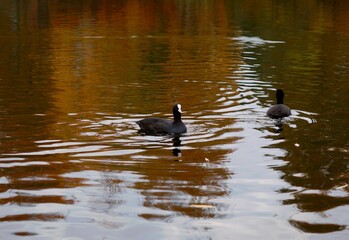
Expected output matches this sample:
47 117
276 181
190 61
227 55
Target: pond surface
75 76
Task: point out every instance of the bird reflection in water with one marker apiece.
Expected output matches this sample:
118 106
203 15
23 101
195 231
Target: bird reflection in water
176 151
278 124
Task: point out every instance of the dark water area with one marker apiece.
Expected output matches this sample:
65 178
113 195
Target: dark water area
75 76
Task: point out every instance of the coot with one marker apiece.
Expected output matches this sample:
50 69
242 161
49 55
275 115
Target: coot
279 110
164 126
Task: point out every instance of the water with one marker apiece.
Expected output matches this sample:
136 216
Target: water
75 76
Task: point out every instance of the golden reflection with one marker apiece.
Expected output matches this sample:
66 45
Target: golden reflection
79 72
32 200
33 217
129 48
316 228
181 186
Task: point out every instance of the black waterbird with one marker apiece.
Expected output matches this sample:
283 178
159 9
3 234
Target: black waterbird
279 110
155 125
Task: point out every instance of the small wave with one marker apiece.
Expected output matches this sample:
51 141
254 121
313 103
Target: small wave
255 40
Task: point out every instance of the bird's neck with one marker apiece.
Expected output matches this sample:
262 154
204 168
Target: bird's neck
177 117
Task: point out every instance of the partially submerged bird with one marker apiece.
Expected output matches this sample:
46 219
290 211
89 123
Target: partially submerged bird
163 126
279 110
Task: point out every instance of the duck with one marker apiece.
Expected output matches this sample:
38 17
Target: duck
280 110
156 125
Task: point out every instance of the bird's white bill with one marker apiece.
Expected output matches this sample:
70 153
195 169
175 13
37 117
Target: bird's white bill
179 108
